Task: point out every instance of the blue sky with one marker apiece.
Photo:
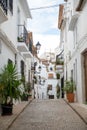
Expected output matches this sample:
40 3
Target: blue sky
44 24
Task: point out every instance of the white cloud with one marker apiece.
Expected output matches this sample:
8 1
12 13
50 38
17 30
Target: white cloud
44 24
48 42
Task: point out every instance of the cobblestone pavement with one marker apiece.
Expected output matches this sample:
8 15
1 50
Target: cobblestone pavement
48 115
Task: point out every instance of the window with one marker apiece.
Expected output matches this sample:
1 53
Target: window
75 71
72 75
29 75
9 61
49 87
22 68
18 16
51 68
11 6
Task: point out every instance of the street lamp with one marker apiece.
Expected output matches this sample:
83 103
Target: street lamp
38 46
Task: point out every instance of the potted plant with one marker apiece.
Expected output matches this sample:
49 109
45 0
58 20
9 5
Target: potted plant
69 88
9 88
27 89
20 39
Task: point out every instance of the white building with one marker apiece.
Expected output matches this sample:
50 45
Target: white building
72 23
45 87
15 40
49 56
52 83
41 87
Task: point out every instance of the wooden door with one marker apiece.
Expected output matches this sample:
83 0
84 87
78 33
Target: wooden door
85 72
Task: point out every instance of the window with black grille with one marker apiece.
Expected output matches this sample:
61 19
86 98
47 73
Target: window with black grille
11 6
22 67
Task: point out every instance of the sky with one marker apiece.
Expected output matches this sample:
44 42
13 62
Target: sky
44 24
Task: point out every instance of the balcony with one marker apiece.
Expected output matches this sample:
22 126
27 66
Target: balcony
22 39
24 45
3 11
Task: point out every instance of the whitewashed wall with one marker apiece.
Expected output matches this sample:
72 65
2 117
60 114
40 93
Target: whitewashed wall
76 50
6 53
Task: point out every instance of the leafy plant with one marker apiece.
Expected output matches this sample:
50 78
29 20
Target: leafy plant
59 62
20 39
27 90
9 84
58 76
69 86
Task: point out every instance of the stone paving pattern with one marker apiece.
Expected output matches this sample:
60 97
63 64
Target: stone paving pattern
5 121
48 115
81 109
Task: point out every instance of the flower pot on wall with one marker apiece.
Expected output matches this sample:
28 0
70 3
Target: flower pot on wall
70 97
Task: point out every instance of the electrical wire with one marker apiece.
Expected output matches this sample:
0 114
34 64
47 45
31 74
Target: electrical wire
44 7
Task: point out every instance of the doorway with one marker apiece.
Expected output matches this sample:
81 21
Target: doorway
51 96
85 74
62 87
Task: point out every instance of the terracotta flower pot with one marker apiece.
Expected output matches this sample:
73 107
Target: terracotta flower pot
70 97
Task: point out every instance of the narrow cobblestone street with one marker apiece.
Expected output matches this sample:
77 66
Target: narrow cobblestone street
48 115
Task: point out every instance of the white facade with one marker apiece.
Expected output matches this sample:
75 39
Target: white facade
41 87
52 82
74 35
9 46
50 56
13 26
43 81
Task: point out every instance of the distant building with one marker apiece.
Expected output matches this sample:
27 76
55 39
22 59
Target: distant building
49 56
46 76
51 83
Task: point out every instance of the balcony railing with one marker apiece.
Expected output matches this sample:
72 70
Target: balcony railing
3 4
22 34
23 37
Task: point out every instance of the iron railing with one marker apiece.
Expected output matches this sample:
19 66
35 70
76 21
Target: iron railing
24 37
22 34
3 4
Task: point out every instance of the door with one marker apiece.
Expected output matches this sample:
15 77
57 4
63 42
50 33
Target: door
62 87
51 96
85 73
